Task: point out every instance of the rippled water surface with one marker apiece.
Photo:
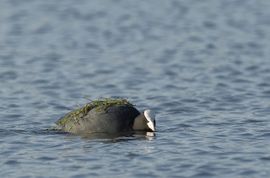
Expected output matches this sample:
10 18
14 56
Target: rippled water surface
203 66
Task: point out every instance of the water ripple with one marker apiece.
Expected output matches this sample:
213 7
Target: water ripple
202 66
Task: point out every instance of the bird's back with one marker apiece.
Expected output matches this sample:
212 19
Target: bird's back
113 119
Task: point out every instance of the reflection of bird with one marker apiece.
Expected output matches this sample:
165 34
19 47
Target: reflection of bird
107 116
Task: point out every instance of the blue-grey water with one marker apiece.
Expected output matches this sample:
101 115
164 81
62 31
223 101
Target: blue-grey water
202 66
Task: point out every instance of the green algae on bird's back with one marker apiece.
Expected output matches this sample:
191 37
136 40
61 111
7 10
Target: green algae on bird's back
99 105
104 104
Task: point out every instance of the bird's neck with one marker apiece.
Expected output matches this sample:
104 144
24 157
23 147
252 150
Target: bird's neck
140 123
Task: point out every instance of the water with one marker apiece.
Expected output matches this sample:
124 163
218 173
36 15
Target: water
203 66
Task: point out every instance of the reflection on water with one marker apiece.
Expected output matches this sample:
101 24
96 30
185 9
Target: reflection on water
116 137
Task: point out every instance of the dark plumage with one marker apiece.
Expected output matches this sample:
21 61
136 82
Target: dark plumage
103 116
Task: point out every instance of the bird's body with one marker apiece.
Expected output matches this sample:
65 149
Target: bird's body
103 116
